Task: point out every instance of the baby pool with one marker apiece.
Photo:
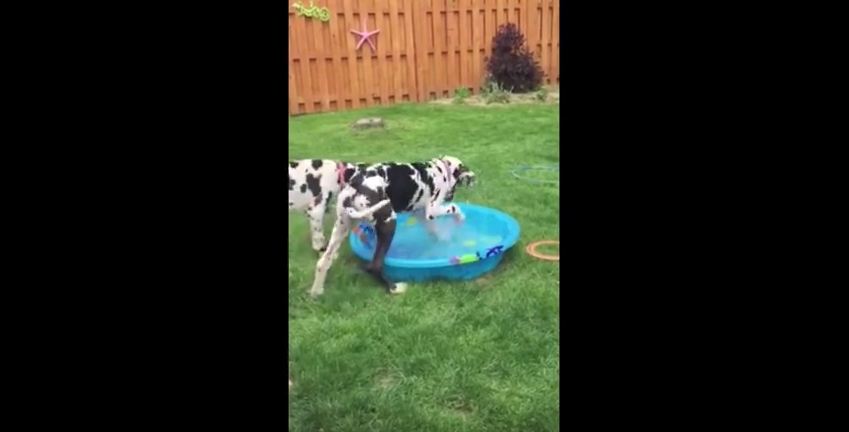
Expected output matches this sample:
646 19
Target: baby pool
458 251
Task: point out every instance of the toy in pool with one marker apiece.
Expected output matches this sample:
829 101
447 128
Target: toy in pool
459 251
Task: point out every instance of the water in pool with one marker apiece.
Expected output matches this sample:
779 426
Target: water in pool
412 240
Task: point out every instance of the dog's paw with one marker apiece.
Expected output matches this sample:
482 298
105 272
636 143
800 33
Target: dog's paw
398 288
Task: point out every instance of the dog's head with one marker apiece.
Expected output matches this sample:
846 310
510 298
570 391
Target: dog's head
461 173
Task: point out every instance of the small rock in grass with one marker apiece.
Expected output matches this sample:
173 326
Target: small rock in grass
369 123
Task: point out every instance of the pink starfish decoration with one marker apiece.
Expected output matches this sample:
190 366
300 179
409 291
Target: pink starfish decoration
365 36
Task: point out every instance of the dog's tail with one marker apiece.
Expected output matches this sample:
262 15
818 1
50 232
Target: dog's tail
353 214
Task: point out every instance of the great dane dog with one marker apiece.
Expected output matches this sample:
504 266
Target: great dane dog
375 194
313 183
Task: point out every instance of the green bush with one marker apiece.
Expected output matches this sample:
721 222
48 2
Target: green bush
460 94
494 93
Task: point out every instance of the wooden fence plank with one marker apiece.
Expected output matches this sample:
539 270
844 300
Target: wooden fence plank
349 44
555 44
464 43
422 66
477 41
500 17
412 81
523 14
488 26
365 22
293 88
395 27
439 34
451 46
342 91
546 37
382 42
318 28
300 37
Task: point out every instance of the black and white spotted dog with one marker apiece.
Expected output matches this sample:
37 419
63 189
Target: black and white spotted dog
376 193
313 183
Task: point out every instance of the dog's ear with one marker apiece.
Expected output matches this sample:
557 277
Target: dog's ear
460 169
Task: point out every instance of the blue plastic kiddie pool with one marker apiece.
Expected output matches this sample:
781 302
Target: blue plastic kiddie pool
458 251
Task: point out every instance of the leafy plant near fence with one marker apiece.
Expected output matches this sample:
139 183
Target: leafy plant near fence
320 13
492 92
460 95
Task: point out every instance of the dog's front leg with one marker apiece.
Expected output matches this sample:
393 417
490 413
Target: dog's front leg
436 210
340 231
430 226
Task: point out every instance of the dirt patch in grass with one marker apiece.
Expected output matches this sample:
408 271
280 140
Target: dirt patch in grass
385 380
459 407
484 280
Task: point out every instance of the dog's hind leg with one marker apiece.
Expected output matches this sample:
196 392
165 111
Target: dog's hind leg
340 232
316 217
385 234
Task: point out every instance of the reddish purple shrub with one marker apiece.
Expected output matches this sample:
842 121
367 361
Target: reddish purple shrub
511 64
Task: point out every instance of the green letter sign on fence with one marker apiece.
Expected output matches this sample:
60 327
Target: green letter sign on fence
322 14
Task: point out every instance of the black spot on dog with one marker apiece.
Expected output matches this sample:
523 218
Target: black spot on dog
329 196
346 176
381 172
450 195
356 179
303 188
317 163
293 164
346 202
426 178
401 186
371 173
419 196
313 182
291 183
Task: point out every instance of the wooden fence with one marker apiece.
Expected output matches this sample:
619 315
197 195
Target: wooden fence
425 49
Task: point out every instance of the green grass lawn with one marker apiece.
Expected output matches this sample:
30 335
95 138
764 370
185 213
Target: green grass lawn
481 355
